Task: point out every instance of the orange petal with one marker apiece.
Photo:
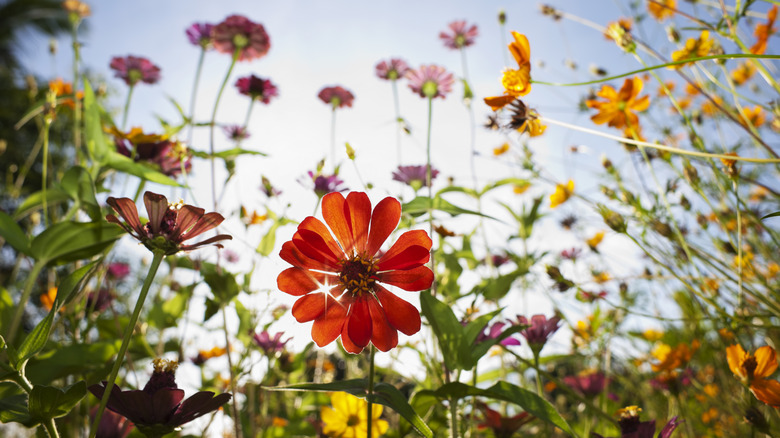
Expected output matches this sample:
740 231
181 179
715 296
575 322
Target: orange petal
292 255
347 343
296 281
498 102
309 307
384 219
520 49
334 211
419 278
767 391
401 315
383 335
735 355
327 327
766 362
359 322
360 217
412 249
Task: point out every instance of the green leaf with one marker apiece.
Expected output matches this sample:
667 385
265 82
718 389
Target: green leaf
14 409
13 234
445 326
229 154
469 351
89 361
122 163
268 241
48 402
419 206
777 213
54 196
70 241
223 286
93 128
79 186
355 387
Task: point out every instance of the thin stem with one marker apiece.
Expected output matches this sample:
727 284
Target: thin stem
472 123
538 375
398 120
76 102
127 107
158 257
28 286
194 94
370 397
333 138
249 112
454 418
428 178
212 125
234 404
51 428
45 170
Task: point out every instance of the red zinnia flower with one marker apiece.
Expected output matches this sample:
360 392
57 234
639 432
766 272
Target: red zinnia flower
460 36
238 33
337 96
132 69
338 279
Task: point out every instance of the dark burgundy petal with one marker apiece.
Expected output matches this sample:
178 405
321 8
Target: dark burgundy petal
186 218
210 240
205 223
156 206
126 208
199 404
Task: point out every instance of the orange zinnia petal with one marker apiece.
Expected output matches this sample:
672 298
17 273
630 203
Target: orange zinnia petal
416 279
315 225
359 322
401 315
385 218
520 49
383 335
297 281
766 362
292 255
360 217
735 355
327 327
309 307
334 211
412 249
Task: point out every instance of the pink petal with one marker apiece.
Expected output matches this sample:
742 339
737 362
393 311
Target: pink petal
385 218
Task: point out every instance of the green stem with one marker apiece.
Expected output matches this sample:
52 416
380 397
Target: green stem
195 94
428 179
45 170
398 120
234 404
538 375
127 107
454 418
76 102
158 257
51 428
212 125
28 286
333 138
370 397
249 112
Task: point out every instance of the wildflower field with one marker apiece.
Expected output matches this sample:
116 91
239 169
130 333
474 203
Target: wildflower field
353 220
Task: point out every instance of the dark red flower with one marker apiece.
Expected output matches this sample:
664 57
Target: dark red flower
257 88
112 425
503 427
132 69
392 70
169 225
236 133
589 384
337 96
338 280
118 270
460 35
158 409
240 35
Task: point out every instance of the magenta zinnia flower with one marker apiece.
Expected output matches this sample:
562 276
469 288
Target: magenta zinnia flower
169 225
392 70
588 384
132 69
337 96
460 36
240 35
159 408
118 270
539 331
430 81
270 345
414 176
236 133
257 88
199 34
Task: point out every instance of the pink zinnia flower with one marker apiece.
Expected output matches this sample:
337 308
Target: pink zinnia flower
132 69
199 34
257 88
430 81
337 96
414 176
461 36
236 133
238 33
392 70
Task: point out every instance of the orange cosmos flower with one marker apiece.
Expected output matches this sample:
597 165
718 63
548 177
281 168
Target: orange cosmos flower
763 31
338 280
516 82
661 9
754 370
743 73
754 116
61 88
618 108
694 48
672 358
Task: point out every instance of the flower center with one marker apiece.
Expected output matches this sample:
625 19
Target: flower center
516 81
353 420
749 365
167 224
430 88
357 275
240 41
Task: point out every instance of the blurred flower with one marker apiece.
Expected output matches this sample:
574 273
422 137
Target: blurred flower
516 82
620 32
562 194
204 355
618 107
731 165
257 88
589 383
61 88
501 150
571 253
763 31
394 69
326 184
337 96
269 345
652 335
236 133
661 9
493 331
118 270
239 36
112 425
502 427
414 176
459 35
100 300
199 34
169 155
499 259
169 225
267 188
590 297
631 427
231 256
694 48
76 7
672 358
594 241
754 117
539 331
132 69
251 219
430 81
47 299
524 119
158 409
338 280
753 371
348 418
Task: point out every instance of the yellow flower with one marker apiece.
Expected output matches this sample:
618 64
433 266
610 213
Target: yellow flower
136 135
617 109
562 194
710 108
743 72
672 358
629 412
348 419
754 370
657 9
520 188
694 48
652 335
709 416
754 117
711 389
516 82
533 127
76 7
501 150
594 241
47 299
601 277
214 352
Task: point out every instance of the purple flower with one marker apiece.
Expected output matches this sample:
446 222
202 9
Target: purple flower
169 155
118 270
589 384
236 133
499 259
326 184
267 188
257 88
414 176
100 300
158 409
539 331
631 427
270 346
238 35
231 256
460 36
392 70
430 81
199 34
336 96
132 69
571 253
493 332
112 425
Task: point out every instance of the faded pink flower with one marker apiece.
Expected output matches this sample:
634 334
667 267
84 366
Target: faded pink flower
238 35
391 70
337 96
460 36
199 34
430 81
132 69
